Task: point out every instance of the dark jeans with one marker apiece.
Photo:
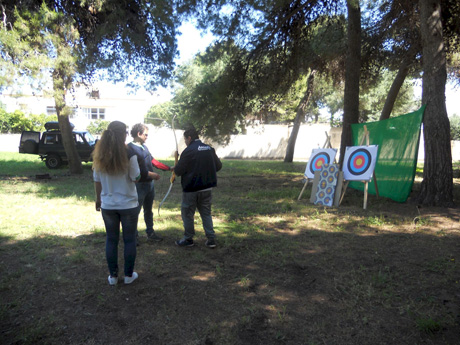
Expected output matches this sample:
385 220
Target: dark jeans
190 202
145 196
128 219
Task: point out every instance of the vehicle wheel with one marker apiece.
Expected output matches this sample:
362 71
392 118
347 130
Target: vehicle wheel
53 161
30 146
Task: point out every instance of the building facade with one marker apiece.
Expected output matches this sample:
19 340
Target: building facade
104 102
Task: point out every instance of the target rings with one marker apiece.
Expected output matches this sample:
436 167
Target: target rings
318 160
359 162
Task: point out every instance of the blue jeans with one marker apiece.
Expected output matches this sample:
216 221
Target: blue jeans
128 219
190 202
145 196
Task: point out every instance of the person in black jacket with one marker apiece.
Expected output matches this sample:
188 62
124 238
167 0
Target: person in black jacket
198 167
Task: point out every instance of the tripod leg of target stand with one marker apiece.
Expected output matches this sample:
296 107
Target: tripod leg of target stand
304 186
343 191
366 185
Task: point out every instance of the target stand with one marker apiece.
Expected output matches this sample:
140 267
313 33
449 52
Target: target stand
318 157
359 164
327 143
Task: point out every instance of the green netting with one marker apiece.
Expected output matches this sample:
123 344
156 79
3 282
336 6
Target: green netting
398 140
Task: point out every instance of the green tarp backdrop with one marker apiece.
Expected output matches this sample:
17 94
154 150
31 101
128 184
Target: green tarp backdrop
398 140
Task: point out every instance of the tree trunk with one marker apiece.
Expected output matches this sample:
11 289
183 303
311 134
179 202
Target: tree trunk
59 87
398 82
437 184
352 75
288 158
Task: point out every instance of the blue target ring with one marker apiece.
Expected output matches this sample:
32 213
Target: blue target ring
359 162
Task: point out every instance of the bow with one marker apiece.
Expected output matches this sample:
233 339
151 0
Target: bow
176 158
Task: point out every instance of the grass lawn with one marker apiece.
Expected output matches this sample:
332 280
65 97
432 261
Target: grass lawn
284 271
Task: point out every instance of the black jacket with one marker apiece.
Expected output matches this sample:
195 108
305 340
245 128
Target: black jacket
197 167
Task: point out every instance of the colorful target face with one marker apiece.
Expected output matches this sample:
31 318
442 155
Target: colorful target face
359 162
318 158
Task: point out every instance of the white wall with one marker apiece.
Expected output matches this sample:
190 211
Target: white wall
270 142
9 142
263 142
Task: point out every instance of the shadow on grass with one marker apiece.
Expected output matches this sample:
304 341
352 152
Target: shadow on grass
284 272
259 286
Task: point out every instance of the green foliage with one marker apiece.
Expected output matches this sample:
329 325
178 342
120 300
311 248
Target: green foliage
206 98
160 114
13 122
17 121
97 127
455 127
210 97
216 99
38 121
76 38
29 45
373 98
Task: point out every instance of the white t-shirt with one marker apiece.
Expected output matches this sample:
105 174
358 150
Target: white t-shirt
119 191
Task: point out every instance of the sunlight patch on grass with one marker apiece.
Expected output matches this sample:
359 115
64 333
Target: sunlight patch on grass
162 252
374 221
270 219
319 298
204 276
24 218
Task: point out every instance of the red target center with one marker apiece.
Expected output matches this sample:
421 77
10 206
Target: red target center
319 163
359 162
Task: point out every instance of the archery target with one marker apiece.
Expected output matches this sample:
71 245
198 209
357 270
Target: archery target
359 162
326 185
318 158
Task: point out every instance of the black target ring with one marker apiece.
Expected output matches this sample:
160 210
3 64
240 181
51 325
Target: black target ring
359 162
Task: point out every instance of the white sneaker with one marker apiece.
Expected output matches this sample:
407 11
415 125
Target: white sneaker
113 280
129 280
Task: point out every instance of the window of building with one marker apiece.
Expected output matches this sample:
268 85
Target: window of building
95 113
52 111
